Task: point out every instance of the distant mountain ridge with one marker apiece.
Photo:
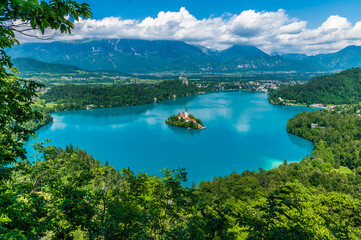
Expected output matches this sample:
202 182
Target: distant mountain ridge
31 68
346 58
238 51
29 64
163 56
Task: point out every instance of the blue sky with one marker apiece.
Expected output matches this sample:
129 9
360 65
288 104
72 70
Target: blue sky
314 11
278 26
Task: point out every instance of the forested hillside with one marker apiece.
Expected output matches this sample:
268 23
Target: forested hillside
340 88
53 73
73 97
68 194
337 138
31 65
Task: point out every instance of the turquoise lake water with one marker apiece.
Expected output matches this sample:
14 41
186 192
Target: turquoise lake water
244 132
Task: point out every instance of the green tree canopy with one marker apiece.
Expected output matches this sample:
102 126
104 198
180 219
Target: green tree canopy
22 16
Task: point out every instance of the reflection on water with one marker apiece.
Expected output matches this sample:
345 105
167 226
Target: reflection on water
184 131
114 115
300 142
244 132
58 122
183 101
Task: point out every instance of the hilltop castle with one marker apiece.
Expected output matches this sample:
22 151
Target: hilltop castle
184 80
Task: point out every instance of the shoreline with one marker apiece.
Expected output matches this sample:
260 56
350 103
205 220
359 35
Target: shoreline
200 93
197 132
235 94
132 105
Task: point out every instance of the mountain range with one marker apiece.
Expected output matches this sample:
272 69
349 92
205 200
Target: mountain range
163 56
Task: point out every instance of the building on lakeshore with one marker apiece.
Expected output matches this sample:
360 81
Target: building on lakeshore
315 125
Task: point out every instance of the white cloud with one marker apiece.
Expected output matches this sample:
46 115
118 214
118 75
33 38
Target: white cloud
270 31
336 22
293 28
250 23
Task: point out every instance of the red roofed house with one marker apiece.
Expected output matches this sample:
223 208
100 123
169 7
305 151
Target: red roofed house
185 116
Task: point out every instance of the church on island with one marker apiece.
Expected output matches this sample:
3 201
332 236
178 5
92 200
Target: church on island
185 120
185 116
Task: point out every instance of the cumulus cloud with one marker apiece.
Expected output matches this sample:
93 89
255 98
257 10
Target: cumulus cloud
273 32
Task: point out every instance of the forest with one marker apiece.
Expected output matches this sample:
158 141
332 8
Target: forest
36 124
75 97
67 194
340 88
337 138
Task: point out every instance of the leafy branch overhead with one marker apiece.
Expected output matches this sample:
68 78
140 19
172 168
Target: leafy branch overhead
16 95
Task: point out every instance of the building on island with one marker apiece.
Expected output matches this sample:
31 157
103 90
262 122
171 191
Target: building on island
185 116
185 120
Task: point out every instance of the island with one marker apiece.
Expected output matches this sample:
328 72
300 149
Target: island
185 120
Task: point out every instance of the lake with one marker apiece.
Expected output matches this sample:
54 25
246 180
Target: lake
244 132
